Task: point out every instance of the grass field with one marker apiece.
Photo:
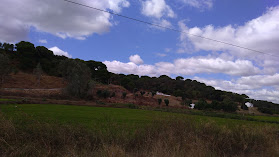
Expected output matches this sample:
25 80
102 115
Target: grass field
7 100
91 117
65 130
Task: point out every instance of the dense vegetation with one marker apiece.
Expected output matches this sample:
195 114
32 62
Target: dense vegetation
63 130
81 75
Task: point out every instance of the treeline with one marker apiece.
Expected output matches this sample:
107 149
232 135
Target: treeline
80 74
266 107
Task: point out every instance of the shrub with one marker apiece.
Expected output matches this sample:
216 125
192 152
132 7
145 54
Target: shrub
153 93
112 94
106 94
244 107
124 94
142 93
99 93
159 101
167 102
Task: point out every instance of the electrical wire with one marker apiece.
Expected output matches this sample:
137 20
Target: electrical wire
168 28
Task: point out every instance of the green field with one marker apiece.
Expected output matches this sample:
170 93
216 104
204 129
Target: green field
97 117
67 130
7 100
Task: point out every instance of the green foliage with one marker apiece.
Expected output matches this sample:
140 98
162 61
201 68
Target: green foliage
159 101
179 78
229 106
98 71
5 67
104 94
124 94
167 102
153 93
244 107
78 76
112 94
186 102
201 105
142 93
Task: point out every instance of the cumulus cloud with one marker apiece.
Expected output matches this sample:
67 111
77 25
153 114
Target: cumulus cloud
60 52
43 41
261 34
130 68
157 9
260 80
201 4
59 18
136 59
185 66
252 90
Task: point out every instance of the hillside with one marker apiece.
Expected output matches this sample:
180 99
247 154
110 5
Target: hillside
83 77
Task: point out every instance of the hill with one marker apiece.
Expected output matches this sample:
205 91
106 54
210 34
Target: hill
82 77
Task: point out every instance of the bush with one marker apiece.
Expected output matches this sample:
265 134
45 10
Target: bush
153 93
244 107
112 94
124 94
142 93
229 106
159 101
167 102
201 105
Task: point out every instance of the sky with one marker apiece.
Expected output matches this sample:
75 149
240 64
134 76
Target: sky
130 47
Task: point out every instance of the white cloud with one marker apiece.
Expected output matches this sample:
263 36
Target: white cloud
60 52
136 59
59 18
185 66
260 34
161 54
156 9
201 4
130 68
258 93
43 41
260 80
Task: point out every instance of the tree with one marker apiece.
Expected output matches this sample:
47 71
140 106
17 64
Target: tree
179 78
153 93
5 67
78 76
159 101
27 56
244 107
38 73
124 95
142 93
167 102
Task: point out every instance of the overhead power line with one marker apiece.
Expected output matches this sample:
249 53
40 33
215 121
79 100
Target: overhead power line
168 28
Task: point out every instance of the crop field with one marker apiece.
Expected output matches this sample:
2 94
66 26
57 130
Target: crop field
66 130
92 117
7 100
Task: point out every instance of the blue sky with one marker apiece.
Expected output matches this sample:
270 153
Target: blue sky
127 46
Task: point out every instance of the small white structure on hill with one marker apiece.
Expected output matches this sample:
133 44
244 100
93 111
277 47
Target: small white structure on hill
192 106
158 93
248 104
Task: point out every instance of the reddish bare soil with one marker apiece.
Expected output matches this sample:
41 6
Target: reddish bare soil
28 81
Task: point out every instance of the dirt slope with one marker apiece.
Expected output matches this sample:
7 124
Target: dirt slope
28 81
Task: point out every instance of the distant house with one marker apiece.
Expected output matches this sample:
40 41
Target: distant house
192 106
158 93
